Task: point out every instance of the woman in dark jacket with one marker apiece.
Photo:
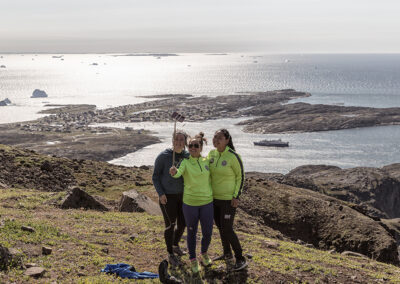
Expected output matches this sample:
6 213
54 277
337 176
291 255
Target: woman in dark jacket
170 192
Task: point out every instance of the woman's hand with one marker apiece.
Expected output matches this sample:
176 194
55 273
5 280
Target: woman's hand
173 171
235 202
163 199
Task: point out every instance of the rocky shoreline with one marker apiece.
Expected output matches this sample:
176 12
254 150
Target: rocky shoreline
70 126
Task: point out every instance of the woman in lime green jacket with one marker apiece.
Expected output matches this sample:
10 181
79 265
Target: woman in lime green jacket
197 199
227 178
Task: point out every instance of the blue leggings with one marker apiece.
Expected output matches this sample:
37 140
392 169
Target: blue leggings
194 214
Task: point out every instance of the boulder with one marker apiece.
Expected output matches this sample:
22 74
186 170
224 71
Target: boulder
39 94
317 219
376 192
78 198
9 257
35 272
132 201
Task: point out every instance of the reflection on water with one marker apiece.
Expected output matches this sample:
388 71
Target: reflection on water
371 146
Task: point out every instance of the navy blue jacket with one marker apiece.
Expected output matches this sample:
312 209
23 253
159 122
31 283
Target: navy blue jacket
162 180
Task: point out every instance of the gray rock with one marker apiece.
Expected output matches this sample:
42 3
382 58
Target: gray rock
27 229
132 201
35 272
352 253
46 250
78 198
29 265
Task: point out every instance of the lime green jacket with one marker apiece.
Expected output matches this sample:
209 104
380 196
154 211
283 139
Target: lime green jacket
196 181
227 174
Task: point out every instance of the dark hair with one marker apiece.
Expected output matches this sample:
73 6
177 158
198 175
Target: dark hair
227 136
181 132
200 137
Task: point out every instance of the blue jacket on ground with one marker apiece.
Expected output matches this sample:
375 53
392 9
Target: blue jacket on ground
162 180
123 270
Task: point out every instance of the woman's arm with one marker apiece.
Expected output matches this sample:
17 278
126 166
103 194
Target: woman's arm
178 172
237 167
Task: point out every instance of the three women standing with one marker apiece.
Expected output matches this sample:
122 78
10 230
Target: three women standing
211 190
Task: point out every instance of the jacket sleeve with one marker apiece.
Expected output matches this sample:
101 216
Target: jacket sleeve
237 166
157 173
181 169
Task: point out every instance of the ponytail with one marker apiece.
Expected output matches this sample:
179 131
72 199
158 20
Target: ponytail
200 137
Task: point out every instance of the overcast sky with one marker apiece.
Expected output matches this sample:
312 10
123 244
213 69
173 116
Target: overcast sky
267 26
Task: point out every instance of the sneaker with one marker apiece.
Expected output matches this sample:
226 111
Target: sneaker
177 250
195 266
206 260
223 257
240 264
173 260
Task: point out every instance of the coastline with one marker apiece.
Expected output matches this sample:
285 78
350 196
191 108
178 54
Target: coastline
69 130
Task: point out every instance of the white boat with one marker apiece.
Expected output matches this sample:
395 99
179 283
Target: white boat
272 143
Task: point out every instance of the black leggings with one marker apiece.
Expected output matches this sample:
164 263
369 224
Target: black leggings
224 215
173 215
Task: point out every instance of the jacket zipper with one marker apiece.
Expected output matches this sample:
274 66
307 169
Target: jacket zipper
199 166
216 164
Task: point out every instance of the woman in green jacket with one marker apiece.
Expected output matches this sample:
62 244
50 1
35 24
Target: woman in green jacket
227 178
197 199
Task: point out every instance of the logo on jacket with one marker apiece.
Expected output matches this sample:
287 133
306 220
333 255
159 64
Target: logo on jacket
224 163
212 160
206 167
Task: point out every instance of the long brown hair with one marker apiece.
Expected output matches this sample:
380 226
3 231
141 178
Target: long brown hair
227 136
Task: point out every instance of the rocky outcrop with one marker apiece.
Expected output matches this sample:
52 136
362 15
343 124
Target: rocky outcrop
303 117
39 94
317 219
78 198
374 191
132 201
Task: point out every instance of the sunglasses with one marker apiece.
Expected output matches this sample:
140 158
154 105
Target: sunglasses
194 145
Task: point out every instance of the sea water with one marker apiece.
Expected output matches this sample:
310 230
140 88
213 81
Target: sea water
107 80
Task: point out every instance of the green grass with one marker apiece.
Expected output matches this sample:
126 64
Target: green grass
83 241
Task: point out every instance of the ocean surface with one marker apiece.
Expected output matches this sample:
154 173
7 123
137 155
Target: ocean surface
107 80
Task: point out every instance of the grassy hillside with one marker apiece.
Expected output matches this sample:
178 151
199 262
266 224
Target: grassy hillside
84 241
